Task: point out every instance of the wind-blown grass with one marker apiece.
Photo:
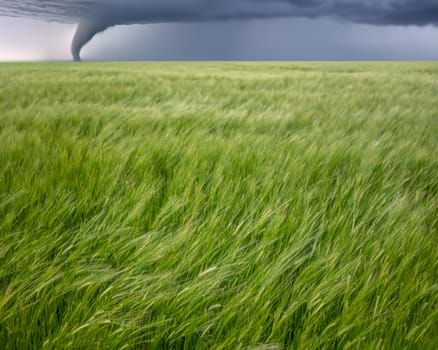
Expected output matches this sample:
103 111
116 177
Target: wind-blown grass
223 206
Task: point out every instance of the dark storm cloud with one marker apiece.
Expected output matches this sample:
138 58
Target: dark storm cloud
415 12
95 16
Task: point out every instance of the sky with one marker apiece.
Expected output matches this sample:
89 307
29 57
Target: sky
232 30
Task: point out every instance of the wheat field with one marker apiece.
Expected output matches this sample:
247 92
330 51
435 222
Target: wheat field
219 205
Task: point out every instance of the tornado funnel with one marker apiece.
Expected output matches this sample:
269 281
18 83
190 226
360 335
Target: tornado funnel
85 31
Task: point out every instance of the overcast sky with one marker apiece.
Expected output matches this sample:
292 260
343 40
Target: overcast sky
248 32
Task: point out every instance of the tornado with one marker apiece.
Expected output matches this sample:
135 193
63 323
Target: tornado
85 31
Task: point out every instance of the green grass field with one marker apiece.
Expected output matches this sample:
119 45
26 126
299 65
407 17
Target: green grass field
219 206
